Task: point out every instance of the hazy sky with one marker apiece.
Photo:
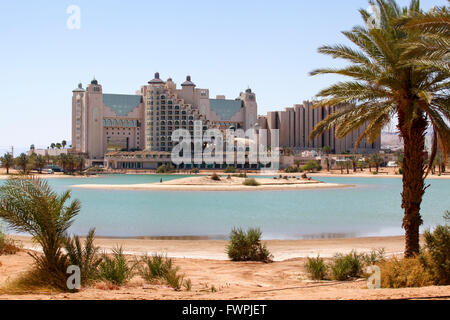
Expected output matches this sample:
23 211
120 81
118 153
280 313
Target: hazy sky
225 46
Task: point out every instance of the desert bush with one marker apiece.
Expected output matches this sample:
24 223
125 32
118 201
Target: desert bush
85 256
160 268
215 177
115 268
195 171
165 168
436 258
251 182
373 257
401 273
247 246
7 245
316 268
292 169
30 206
230 169
346 266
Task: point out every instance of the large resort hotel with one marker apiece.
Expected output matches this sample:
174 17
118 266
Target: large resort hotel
134 131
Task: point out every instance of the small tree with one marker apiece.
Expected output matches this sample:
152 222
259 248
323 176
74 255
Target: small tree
64 143
7 161
22 162
30 206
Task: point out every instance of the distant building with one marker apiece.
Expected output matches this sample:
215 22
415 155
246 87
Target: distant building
134 131
296 124
110 123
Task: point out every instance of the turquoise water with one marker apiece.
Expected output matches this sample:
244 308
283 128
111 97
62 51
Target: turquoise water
371 208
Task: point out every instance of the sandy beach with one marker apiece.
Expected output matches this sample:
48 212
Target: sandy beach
205 183
204 262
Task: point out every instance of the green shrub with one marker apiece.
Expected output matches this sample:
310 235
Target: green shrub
85 256
29 205
247 246
195 170
251 182
401 273
160 268
346 266
437 246
230 169
316 268
165 168
292 169
373 257
215 177
115 269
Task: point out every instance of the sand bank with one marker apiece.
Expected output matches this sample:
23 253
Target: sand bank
205 183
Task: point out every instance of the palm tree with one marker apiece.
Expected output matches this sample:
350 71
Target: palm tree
39 163
376 160
7 161
64 143
53 145
327 150
80 161
387 82
22 162
30 206
58 145
439 162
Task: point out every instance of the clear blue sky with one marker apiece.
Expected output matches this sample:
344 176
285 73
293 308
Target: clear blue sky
225 46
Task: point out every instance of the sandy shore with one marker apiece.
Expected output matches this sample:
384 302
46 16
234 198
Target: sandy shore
231 280
205 183
215 249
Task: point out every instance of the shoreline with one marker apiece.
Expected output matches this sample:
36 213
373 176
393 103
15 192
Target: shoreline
282 250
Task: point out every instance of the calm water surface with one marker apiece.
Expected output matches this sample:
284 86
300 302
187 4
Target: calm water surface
371 208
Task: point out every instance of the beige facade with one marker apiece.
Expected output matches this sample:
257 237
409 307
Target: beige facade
103 122
168 108
296 124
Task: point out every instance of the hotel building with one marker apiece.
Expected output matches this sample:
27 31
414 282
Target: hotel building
134 131
116 127
296 124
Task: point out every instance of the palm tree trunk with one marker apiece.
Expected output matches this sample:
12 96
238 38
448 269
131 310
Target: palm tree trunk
413 181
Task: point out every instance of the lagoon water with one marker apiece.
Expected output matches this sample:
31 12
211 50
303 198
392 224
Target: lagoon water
371 208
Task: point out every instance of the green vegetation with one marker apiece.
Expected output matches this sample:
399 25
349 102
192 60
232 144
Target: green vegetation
23 162
165 169
345 267
7 161
408 50
29 205
247 246
311 165
251 182
230 169
292 169
436 258
85 256
316 267
115 268
160 268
